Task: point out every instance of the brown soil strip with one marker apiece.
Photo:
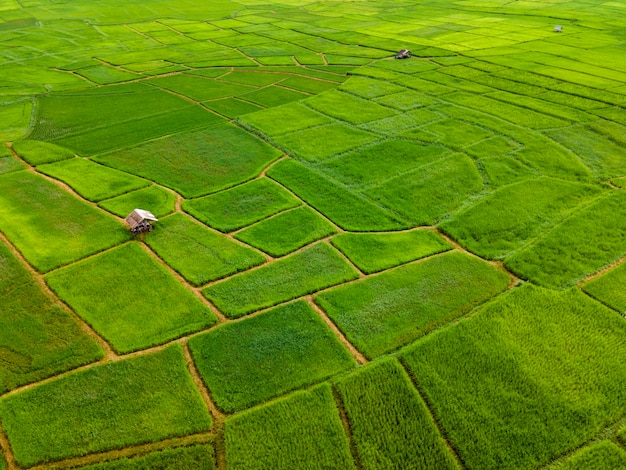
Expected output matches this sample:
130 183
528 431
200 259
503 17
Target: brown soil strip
603 271
354 351
347 427
7 451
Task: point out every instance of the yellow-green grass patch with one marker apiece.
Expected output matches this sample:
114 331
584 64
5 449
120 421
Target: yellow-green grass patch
405 100
273 96
370 88
130 299
609 288
457 134
392 309
148 398
200 88
348 108
248 362
309 85
241 206
155 199
9 164
313 269
283 119
36 152
232 107
599 455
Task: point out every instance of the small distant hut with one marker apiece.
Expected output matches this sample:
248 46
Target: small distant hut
558 28
403 54
139 221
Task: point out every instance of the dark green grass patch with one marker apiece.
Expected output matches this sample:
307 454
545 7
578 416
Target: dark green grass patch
578 247
348 108
349 210
246 363
149 398
36 152
38 339
603 455
373 252
309 85
308 271
49 226
198 253
389 421
157 200
505 391
283 119
422 198
231 107
381 161
319 143
197 162
387 311
287 231
369 88
609 288
512 216
196 457
306 433
92 181
199 88
273 96
144 304
241 206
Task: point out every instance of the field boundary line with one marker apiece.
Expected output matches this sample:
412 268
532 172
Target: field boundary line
7 451
602 271
347 426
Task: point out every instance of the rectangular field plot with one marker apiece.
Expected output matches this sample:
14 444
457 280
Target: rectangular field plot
387 311
144 306
36 152
373 252
346 208
369 88
246 363
273 96
308 85
306 433
199 88
502 387
348 107
390 424
313 269
157 200
49 226
39 338
231 107
92 181
610 288
198 162
512 216
241 206
287 231
287 118
603 454
143 399
198 253
579 246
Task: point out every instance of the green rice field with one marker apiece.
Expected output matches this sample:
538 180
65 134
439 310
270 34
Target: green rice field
358 262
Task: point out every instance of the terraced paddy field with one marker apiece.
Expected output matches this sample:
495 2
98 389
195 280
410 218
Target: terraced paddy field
360 262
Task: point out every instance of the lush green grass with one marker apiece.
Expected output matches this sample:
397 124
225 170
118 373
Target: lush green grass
603 455
273 96
148 398
144 305
198 457
348 107
313 269
348 209
9 164
241 206
198 162
609 288
200 88
157 200
579 246
287 231
286 118
513 216
92 181
534 374
198 253
39 338
373 252
246 363
308 85
369 88
390 423
231 107
36 152
306 433
49 226
387 311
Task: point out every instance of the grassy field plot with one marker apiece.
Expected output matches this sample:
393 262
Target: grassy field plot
409 120
241 206
493 146
36 152
198 162
49 226
198 253
273 96
142 399
590 239
369 88
144 305
157 200
609 288
603 454
308 85
16 118
405 100
39 338
92 181
286 118
348 209
373 252
313 269
348 107
502 387
287 231
306 432
9 164
231 107
248 362
457 134
512 216
385 312
382 394
199 88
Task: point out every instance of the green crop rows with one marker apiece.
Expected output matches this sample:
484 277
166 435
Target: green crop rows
358 263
